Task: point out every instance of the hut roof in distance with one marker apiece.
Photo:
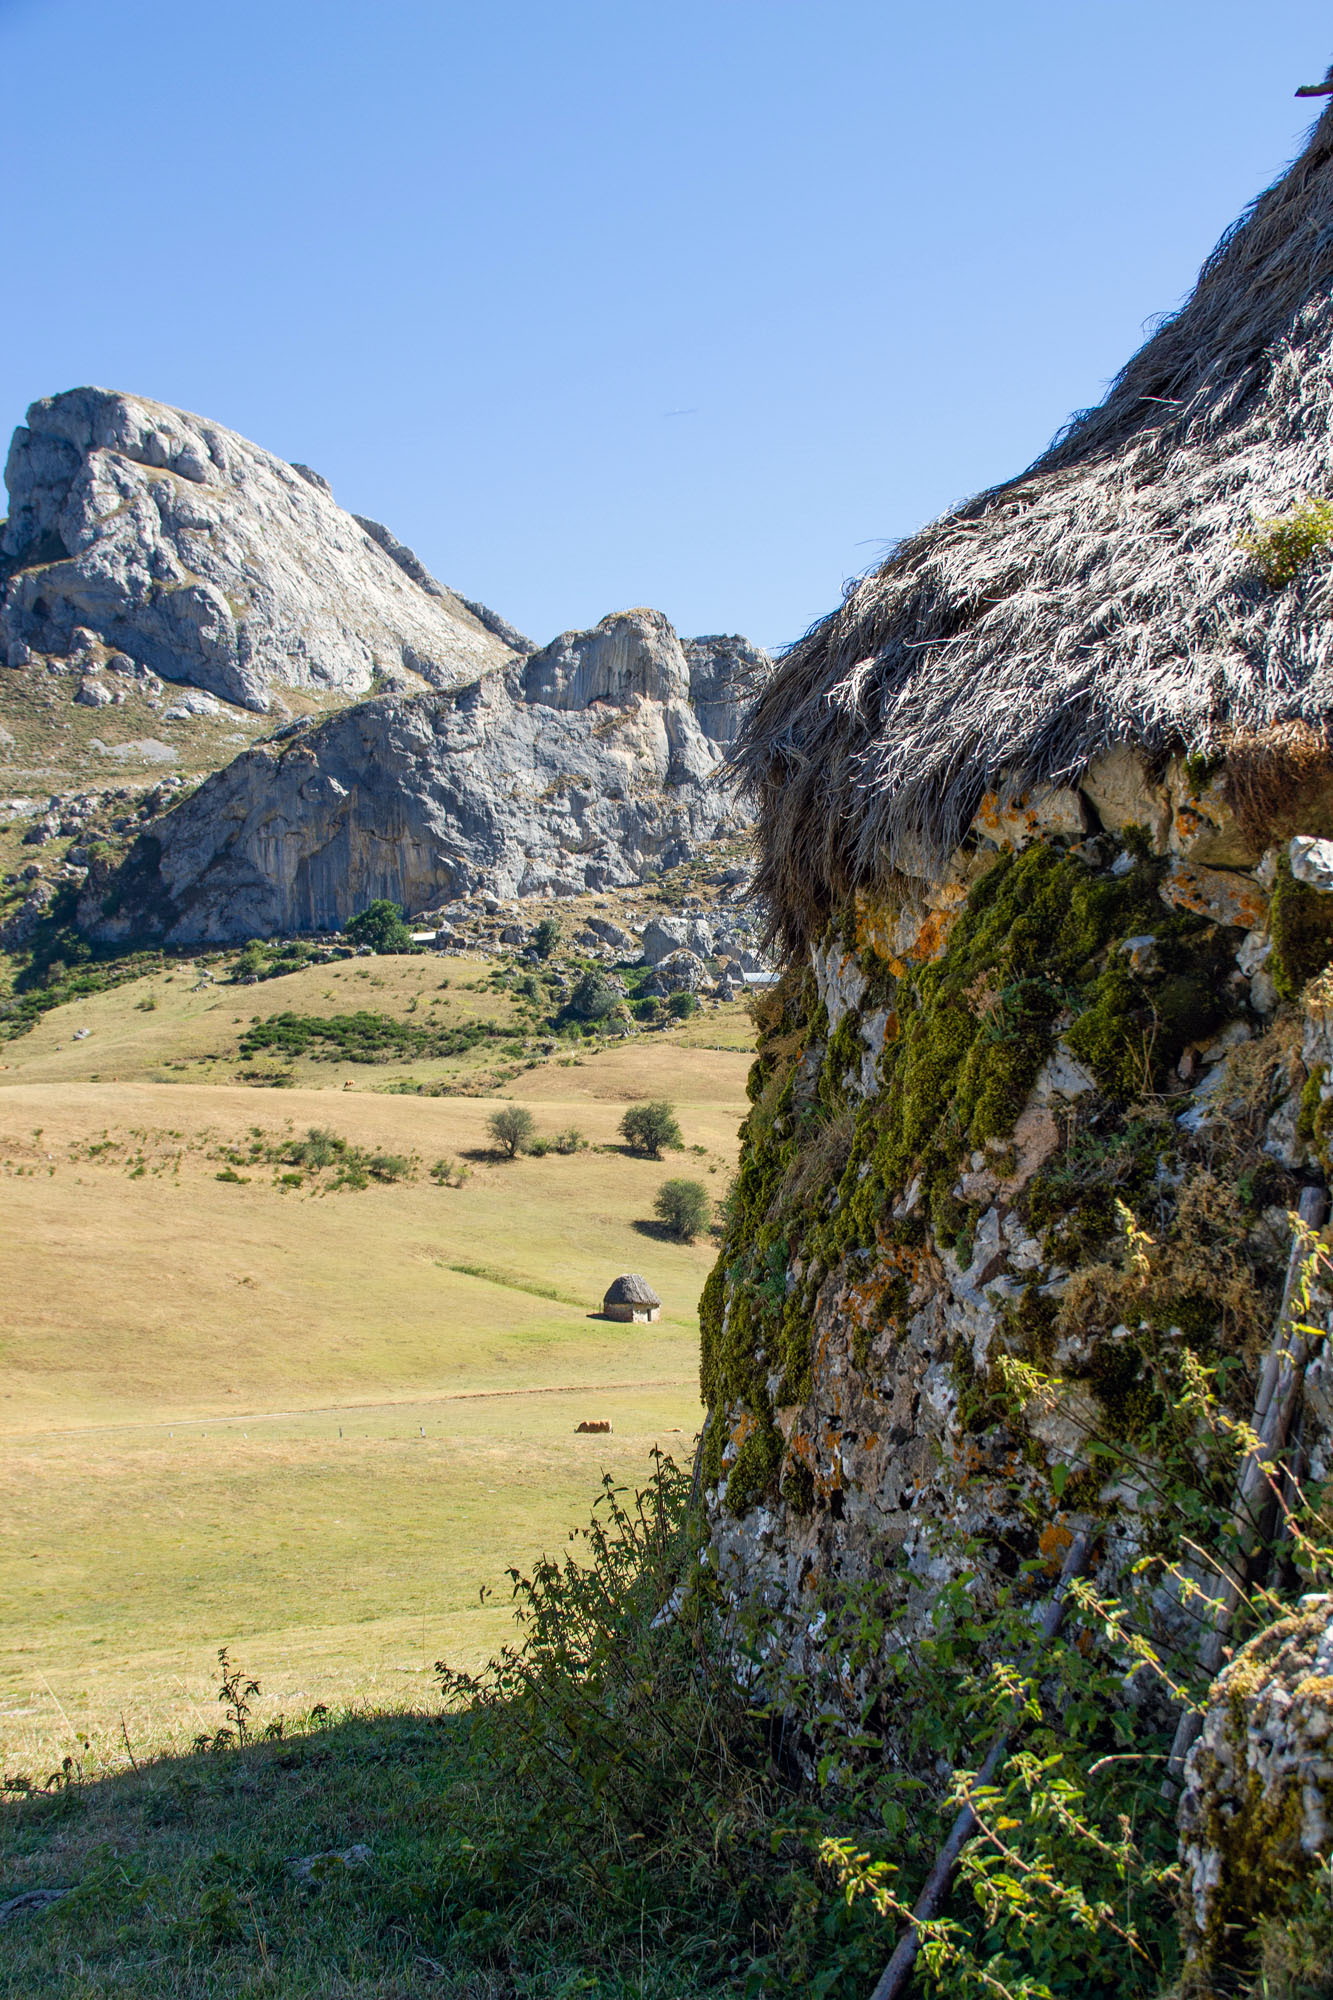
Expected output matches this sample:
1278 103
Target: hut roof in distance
631 1290
1102 597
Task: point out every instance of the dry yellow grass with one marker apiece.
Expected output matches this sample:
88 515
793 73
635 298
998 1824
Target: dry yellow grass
179 1353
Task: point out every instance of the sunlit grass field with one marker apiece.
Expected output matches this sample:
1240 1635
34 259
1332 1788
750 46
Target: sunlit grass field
310 1424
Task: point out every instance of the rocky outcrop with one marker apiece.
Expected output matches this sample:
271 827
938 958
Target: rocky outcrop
724 671
1256 1815
140 530
585 768
1024 1138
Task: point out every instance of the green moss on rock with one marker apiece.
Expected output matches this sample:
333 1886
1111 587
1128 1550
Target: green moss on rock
1301 921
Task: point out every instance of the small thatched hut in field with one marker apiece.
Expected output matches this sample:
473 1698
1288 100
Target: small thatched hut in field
1105 596
632 1298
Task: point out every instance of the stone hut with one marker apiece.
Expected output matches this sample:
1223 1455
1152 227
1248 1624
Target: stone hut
1045 811
632 1298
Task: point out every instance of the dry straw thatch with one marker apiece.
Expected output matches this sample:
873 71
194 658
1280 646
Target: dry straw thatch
1102 597
631 1290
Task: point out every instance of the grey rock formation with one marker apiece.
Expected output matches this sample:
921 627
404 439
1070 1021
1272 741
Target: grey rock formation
140 529
584 768
725 671
1257 1807
409 561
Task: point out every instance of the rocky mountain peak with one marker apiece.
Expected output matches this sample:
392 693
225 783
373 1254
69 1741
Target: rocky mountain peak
170 539
629 653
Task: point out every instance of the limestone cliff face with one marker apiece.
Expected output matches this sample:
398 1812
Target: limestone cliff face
963 1099
145 531
513 783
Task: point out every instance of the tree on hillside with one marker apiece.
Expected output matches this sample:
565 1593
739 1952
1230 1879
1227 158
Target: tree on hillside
651 1128
546 937
684 1208
593 998
380 925
512 1128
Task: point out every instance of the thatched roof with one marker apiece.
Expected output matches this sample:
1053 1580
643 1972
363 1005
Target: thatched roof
631 1290
1099 598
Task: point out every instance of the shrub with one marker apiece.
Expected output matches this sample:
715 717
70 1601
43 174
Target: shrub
593 998
380 925
512 1128
650 1128
681 1005
571 1140
684 1208
1283 545
546 937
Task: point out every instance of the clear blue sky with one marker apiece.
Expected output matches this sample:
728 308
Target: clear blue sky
692 303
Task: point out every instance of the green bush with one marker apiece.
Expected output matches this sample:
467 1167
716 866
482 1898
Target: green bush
651 1128
684 1208
1282 545
680 1006
380 926
513 1129
593 998
546 937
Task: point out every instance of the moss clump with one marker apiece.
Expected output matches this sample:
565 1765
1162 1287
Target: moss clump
1032 954
1123 1382
755 1469
1301 920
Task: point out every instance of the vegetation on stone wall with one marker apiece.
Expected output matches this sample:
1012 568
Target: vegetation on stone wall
826 1176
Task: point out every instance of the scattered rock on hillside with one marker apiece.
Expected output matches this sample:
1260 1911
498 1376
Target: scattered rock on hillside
325 1867
30 1903
139 530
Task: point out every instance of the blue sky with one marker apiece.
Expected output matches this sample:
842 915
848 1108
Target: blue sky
695 303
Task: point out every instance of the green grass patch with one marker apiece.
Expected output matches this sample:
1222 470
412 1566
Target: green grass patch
513 1283
365 1037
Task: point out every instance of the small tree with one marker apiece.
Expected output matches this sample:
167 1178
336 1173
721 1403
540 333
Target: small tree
684 1208
546 937
650 1128
681 1005
380 925
512 1128
593 998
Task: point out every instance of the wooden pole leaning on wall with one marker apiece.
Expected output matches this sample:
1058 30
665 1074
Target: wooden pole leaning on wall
1275 1404
898 1971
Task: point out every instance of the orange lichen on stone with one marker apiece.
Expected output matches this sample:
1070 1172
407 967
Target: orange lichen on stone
1053 1542
742 1428
1215 893
876 923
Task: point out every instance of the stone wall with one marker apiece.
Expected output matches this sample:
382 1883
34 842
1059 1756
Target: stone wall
1022 1147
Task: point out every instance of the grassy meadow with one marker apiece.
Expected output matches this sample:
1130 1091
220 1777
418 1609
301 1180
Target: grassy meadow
242 1405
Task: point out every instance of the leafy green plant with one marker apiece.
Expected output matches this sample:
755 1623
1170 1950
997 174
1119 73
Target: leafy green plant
593 998
236 1692
546 937
680 1006
513 1129
651 1128
365 1037
1284 543
380 926
684 1209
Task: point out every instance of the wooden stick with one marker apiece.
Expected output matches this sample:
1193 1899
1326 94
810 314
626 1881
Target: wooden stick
898 1970
1275 1400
